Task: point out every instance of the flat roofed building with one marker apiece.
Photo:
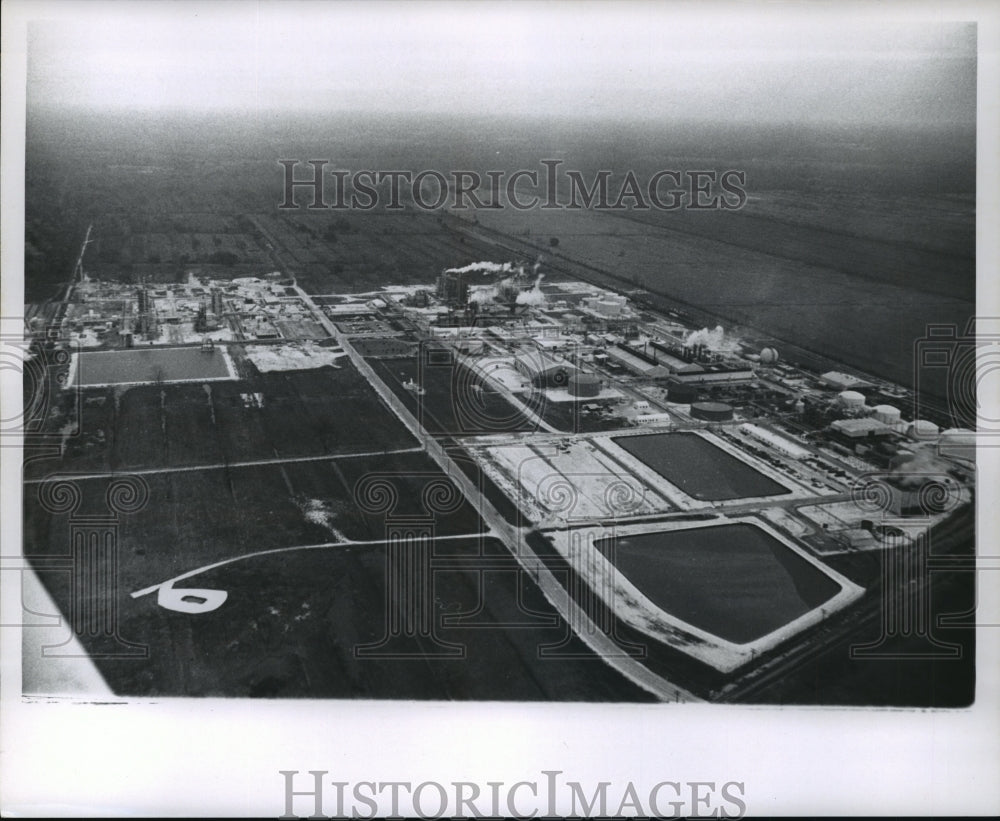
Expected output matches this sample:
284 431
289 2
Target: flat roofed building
858 428
775 441
843 381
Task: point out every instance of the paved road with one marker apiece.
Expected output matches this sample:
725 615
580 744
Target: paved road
513 537
317 546
281 460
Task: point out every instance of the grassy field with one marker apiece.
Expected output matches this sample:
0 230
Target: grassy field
302 413
450 404
195 517
295 637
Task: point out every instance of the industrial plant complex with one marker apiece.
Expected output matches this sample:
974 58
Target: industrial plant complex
686 499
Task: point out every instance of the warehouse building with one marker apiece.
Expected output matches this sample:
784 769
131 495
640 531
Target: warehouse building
843 381
774 441
543 370
860 428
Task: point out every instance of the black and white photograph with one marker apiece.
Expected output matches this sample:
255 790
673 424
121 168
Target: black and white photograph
499 409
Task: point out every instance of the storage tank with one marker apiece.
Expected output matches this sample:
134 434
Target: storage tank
769 356
886 413
611 305
852 399
958 443
960 437
584 384
712 411
681 393
922 429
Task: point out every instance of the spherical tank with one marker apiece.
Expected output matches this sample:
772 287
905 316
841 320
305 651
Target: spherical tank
768 356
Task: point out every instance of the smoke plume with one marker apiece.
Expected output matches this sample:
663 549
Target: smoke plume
714 340
485 267
914 471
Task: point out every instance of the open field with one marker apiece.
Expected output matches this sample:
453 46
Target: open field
455 401
194 518
843 247
300 414
292 621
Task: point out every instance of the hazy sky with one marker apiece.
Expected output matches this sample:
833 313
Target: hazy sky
607 60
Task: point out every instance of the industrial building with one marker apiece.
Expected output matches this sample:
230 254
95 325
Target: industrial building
635 361
860 428
843 381
453 288
713 374
683 393
774 441
914 498
652 419
543 370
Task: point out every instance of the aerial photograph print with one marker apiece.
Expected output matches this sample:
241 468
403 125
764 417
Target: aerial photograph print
578 353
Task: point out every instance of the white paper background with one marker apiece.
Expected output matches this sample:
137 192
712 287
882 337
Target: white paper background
221 757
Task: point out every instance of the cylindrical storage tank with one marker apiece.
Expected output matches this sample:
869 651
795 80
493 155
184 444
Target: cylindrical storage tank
852 399
886 413
584 384
609 307
922 429
712 411
681 393
960 437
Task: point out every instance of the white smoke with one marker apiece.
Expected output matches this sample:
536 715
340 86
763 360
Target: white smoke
714 340
915 470
533 295
483 296
505 289
485 267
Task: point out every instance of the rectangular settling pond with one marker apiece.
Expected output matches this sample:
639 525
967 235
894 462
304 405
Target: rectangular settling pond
136 365
735 581
699 468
